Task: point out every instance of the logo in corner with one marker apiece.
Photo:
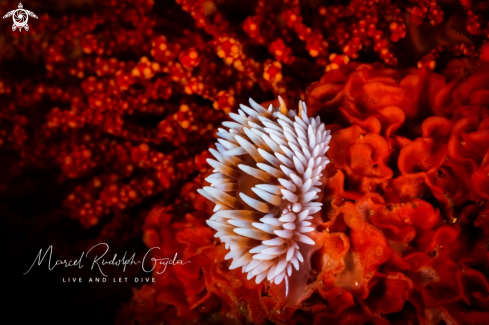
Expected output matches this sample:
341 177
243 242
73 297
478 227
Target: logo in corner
20 17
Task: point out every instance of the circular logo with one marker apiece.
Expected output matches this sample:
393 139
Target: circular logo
20 18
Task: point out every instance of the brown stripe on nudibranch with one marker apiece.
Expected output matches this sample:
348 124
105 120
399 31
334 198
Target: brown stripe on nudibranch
267 187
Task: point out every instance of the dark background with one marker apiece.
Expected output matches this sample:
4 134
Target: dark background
40 296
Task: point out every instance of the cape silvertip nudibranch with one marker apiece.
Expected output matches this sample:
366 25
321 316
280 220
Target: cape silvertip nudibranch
267 189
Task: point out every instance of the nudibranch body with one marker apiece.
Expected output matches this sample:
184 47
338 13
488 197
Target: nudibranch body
266 186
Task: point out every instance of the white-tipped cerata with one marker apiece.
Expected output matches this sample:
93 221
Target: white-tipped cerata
266 180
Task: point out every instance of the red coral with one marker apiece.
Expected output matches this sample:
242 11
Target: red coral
402 240
120 105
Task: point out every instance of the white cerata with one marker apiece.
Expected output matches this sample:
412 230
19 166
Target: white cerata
267 189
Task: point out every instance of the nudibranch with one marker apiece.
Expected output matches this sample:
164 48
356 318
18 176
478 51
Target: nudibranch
267 190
